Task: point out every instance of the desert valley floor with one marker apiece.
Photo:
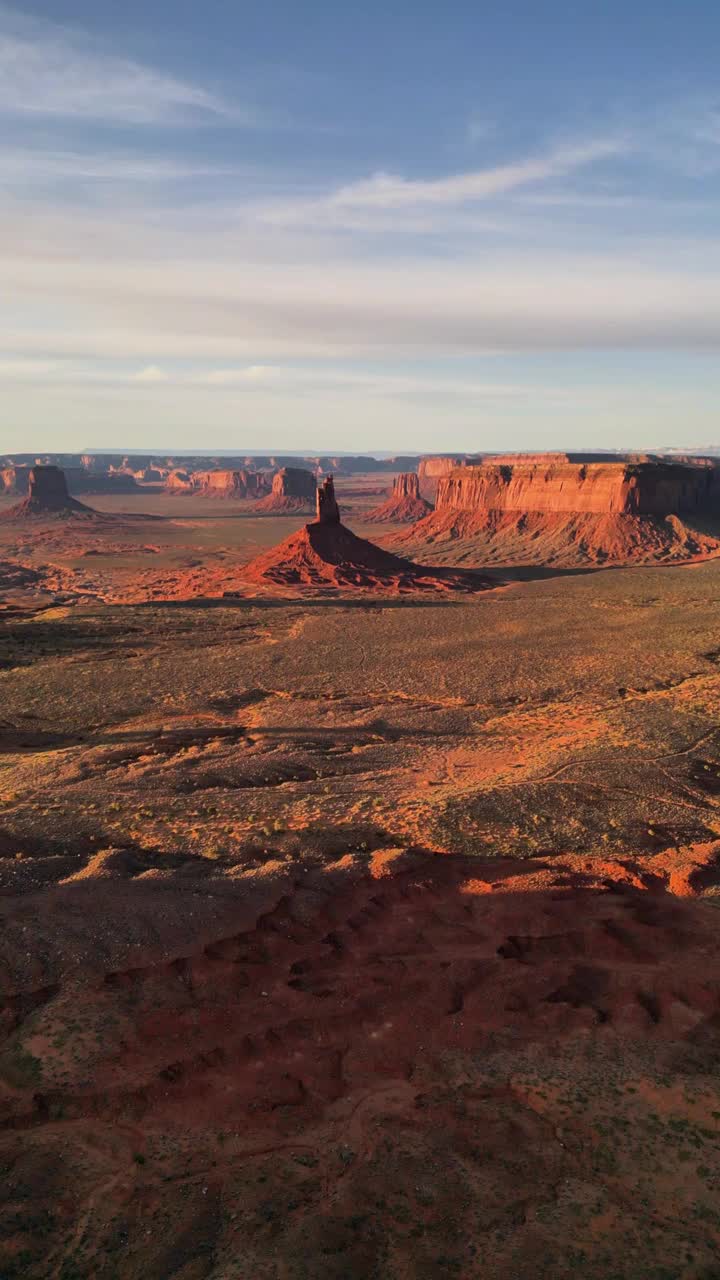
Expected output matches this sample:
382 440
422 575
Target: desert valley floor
350 936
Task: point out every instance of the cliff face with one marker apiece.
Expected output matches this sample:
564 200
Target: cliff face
601 488
293 489
546 511
407 485
230 484
14 480
294 482
217 484
327 510
404 504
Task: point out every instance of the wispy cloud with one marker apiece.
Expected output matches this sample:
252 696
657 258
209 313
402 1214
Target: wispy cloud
21 167
386 201
388 191
48 70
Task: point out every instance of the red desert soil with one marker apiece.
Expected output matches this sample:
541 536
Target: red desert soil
356 935
428 1066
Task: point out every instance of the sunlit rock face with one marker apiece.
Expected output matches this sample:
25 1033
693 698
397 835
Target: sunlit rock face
404 505
613 488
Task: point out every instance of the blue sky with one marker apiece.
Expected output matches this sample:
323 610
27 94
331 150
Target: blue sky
390 226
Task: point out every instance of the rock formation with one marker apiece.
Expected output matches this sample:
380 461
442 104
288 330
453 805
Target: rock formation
327 510
179 482
601 488
545 511
293 489
218 484
14 480
431 469
328 554
404 506
231 484
48 498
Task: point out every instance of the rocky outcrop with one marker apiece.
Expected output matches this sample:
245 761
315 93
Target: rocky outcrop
404 506
231 484
547 511
293 489
218 484
430 471
14 480
328 554
179 482
48 498
327 510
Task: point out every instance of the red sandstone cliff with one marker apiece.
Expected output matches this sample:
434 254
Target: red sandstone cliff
293 489
223 484
431 469
404 506
550 512
602 488
232 484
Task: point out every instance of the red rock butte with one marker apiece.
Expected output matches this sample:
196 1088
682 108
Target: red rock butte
404 506
326 553
293 489
552 511
48 498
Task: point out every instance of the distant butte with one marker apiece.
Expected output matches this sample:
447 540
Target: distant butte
326 553
404 506
293 490
48 499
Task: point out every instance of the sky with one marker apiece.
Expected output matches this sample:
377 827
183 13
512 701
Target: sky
391 226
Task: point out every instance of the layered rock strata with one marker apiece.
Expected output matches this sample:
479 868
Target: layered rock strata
567 513
404 506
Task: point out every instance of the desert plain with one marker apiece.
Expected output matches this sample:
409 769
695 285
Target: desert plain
354 933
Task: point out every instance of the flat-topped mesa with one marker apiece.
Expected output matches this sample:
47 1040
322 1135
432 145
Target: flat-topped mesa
230 484
546 511
293 490
327 510
608 488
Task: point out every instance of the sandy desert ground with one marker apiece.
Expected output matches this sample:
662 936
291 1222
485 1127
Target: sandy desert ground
351 936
